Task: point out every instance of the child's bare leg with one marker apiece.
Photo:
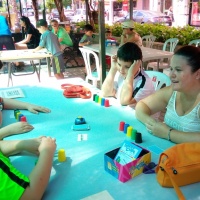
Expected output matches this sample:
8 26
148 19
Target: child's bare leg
59 76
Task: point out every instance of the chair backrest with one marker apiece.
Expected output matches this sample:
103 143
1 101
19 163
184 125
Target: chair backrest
159 79
87 56
170 44
149 40
196 42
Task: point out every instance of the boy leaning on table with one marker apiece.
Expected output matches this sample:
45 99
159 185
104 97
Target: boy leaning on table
87 37
126 80
50 41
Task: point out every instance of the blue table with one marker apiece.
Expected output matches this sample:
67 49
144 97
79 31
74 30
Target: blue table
83 173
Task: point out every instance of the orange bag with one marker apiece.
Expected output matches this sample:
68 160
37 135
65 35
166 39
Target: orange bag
179 166
76 91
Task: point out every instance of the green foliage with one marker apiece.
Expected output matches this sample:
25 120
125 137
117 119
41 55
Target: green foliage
162 32
50 4
116 30
4 6
81 24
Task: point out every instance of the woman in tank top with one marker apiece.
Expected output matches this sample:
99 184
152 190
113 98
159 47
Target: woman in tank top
181 100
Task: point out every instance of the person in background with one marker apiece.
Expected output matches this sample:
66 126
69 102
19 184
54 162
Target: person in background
5 36
129 35
170 13
87 37
32 35
108 36
126 80
14 184
31 40
63 36
17 127
50 42
182 100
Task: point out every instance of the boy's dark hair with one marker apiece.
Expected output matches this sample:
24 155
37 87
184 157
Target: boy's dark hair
41 22
129 52
108 31
88 27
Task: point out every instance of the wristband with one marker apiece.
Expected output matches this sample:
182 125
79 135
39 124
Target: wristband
1 104
169 132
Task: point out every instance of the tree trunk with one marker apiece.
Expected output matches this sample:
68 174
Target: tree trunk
59 6
35 8
13 4
95 16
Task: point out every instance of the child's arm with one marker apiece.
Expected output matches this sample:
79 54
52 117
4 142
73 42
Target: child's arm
128 88
84 43
107 88
37 48
16 104
39 177
12 147
15 128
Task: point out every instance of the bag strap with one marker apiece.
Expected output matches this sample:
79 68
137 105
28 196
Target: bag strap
176 187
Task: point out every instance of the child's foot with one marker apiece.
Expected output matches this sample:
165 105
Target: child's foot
18 67
59 76
1 64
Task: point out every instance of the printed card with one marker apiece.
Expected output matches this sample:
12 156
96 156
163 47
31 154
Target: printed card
12 93
127 153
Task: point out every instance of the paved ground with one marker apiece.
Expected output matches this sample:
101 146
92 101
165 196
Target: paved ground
33 80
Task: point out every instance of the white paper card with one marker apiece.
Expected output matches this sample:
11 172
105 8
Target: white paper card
12 93
104 195
82 137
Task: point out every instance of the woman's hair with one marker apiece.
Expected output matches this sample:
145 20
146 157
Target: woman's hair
191 55
27 22
129 52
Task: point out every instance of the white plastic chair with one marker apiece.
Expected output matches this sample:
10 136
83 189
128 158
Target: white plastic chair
159 79
170 46
195 43
93 76
149 40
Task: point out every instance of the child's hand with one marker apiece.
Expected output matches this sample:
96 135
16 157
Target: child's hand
134 67
114 67
18 127
31 145
114 58
48 144
35 108
124 32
